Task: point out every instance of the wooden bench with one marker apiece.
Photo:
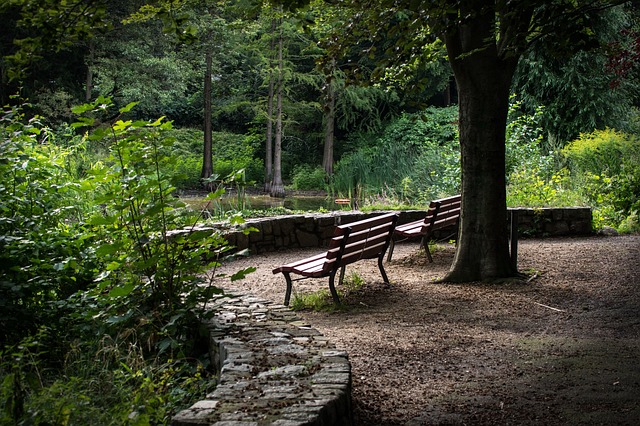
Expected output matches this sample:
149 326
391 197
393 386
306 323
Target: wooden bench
365 239
443 213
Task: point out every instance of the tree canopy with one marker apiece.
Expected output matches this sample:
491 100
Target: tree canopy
405 50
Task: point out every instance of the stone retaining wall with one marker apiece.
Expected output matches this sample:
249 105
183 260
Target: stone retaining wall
273 370
314 230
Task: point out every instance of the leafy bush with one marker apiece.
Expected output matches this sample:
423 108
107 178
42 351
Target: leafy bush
605 164
45 252
529 187
309 178
602 152
185 172
416 152
146 296
524 139
149 242
106 381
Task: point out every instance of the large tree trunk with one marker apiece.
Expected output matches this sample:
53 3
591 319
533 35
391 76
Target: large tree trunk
207 159
483 80
277 185
329 120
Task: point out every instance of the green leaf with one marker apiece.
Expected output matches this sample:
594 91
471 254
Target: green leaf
122 125
118 318
164 344
102 276
128 107
215 195
83 122
101 220
156 123
109 249
121 291
241 274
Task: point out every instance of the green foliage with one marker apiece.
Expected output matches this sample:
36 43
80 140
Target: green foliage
318 301
232 152
106 382
605 164
132 269
306 177
416 157
530 187
602 151
524 138
150 245
185 172
575 91
45 255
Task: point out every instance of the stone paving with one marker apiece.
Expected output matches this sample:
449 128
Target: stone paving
274 370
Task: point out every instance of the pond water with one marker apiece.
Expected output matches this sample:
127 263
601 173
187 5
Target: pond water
265 202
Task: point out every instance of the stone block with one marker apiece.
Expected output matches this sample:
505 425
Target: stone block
307 239
556 229
308 224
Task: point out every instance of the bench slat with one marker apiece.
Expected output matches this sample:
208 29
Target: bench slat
368 253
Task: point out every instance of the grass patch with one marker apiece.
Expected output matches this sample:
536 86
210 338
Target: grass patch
321 301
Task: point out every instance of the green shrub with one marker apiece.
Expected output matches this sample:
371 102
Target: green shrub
306 177
524 140
106 381
231 152
529 187
185 172
605 165
416 158
146 296
46 253
630 224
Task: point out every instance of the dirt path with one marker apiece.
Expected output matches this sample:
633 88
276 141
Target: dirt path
561 349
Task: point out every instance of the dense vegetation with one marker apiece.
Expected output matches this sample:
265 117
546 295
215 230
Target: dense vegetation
101 298
104 275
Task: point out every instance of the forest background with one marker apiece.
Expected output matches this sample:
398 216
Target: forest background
355 124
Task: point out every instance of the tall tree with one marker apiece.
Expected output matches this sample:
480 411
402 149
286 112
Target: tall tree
329 107
268 159
484 41
277 185
207 160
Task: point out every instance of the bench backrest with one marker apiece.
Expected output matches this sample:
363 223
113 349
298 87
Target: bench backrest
442 214
365 239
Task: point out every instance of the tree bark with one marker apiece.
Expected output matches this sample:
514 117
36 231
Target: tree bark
277 185
89 80
329 120
268 159
207 159
483 79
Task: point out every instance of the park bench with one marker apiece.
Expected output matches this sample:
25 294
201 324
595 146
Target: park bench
442 214
365 239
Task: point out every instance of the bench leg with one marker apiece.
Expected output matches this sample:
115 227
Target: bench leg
332 286
287 295
392 244
382 271
425 244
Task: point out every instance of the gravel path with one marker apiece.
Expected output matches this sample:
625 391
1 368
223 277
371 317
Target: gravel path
562 349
